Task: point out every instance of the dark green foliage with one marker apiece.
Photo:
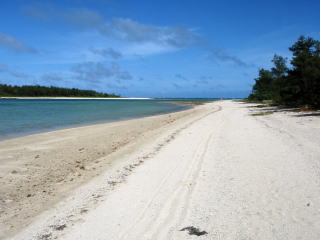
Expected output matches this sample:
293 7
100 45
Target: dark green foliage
41 91
280 66
267 84
306 70
298 86
262 88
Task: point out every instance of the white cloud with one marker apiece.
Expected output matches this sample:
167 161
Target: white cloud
143 39
145 49
117 28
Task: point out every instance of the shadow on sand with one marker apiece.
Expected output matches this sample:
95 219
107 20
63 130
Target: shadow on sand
313 114
264 108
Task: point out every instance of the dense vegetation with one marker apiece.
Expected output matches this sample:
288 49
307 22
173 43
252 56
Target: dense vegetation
298 85
41 91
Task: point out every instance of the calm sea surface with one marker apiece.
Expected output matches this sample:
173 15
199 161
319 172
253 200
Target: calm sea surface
20 117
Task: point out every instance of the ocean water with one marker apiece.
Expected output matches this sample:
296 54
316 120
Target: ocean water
19 117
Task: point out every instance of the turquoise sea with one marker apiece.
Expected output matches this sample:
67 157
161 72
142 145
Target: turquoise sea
20 117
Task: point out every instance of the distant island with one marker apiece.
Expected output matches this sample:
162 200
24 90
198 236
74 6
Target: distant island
42 91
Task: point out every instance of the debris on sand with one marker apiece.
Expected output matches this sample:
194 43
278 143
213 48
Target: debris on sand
60 227
84 211
194 231
45 236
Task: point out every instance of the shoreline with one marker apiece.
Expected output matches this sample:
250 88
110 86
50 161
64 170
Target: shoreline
186 104
80 98
33 167
61 128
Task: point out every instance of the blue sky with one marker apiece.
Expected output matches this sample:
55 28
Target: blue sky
149 48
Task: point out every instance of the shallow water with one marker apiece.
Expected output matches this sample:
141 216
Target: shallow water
20 117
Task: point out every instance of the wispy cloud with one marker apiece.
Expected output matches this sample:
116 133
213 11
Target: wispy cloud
51 77
181 77
13 73
145 39
10 43
124 75
107 52
221 55
205 80
140 50
97 72
75 17
202 81
117 28
175 85
132 31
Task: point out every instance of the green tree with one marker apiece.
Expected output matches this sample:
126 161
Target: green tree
280 68
297 86
262 87
279 73
305 75
267 84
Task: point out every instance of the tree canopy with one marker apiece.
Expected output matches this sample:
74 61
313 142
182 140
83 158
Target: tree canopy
41 91
298 85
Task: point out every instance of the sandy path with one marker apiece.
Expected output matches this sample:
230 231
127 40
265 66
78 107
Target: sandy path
228 173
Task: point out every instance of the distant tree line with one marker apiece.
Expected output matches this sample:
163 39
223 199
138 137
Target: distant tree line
298 85
41 91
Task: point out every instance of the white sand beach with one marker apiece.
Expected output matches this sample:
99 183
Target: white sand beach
216 167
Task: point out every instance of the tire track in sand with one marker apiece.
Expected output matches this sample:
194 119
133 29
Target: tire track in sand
178 202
